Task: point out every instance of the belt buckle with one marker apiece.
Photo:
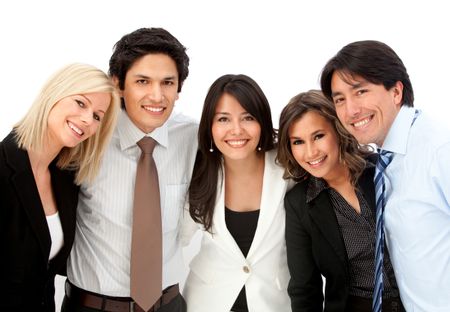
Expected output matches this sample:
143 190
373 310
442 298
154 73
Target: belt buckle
132 304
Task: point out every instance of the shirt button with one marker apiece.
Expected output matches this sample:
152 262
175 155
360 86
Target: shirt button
246 269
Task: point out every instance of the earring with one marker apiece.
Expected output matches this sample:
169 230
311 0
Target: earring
211 148
259 148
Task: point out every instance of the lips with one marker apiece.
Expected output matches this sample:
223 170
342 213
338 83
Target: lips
154 109
75 129
362 122
317 162
236 143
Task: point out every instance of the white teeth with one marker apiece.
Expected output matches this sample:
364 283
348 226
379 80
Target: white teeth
236 143
361 122
153 109
74 128
315 162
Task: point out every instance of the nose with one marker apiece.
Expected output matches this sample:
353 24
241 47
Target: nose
87 117
352 107
155 93
237 127
311 150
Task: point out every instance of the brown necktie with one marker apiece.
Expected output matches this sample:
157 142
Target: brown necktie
146 243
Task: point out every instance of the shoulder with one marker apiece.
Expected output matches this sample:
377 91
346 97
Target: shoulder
179 122
298 192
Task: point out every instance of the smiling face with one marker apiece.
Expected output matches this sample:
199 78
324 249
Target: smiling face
75 118
365 109
315 146
235 132
150 91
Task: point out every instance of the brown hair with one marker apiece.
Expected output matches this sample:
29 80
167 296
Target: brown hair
350 151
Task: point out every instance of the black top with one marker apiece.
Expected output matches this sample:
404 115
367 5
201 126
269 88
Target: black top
242 226
358 232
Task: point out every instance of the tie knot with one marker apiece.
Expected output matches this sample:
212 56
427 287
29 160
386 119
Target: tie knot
147 144
385 157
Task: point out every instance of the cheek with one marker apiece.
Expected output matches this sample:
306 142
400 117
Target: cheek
296 152
93 129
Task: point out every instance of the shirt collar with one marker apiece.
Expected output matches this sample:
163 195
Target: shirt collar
397 137
315 187
129 134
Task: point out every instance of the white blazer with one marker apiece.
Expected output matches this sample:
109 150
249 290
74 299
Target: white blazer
220 270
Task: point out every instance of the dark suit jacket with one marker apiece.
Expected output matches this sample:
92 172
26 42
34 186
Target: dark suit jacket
26 276
315 246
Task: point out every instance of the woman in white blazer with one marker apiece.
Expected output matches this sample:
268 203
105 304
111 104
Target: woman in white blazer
236 198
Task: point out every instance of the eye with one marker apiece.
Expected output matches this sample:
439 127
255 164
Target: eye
80 103
222 119
142 81
96 117
318 136
338 100
248 118
297 142
361 91
169 82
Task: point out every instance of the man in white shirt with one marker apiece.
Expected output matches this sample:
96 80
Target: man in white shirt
374 100
149 67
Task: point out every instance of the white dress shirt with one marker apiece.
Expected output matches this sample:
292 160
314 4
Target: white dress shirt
417 214
100 258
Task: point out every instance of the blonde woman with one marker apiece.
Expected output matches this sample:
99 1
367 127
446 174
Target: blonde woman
54 148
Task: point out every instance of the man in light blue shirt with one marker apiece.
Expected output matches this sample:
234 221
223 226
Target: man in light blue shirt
374 99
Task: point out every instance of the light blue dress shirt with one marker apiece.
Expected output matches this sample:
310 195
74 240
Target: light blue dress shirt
417 215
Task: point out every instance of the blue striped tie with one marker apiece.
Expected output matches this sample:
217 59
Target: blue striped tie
384 159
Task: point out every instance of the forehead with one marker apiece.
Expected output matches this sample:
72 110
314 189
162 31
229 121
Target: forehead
99 100
347 78
309 122
228 103
155 64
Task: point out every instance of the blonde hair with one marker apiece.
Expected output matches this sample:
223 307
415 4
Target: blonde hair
72 79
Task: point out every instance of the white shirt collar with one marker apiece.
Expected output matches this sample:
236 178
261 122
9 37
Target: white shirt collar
129 134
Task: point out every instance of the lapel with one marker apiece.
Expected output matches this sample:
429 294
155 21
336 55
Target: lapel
66 197
322 214
220 231
273 191
22 180
274 188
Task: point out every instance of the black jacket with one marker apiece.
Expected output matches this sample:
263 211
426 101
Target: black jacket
26 276
315 247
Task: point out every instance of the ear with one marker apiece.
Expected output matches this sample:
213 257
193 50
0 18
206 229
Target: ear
115 81
397 90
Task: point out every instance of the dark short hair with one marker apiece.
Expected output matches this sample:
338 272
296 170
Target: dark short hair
372 60
141 42
350 152
207 167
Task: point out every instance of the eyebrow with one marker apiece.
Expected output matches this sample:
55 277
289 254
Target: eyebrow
87 99
354 86
312 134
226 113
148 77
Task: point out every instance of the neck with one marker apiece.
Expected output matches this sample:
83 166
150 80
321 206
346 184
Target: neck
41 159
340 178
249 165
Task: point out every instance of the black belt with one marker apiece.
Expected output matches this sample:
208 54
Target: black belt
115 304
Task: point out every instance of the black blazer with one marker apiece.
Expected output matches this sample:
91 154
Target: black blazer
26 276
315 246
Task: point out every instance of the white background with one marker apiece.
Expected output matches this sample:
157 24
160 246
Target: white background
283 45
